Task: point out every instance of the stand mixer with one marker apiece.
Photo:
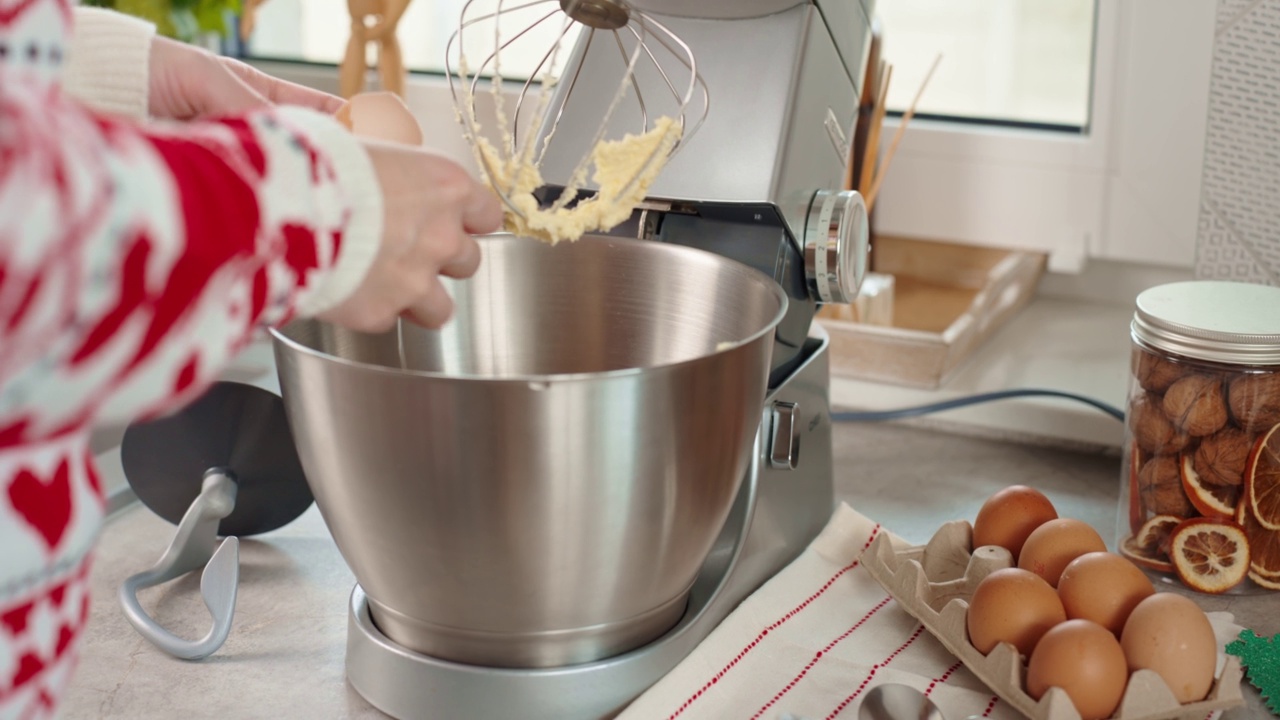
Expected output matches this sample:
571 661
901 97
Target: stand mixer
760 184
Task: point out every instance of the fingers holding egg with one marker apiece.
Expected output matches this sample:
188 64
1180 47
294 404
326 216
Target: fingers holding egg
380 116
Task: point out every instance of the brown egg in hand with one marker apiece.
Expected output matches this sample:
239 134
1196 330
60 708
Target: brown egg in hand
1012 606
1009 516
1086 661
1053 545
1103 587
380 116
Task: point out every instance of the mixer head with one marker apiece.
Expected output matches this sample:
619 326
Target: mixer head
625 154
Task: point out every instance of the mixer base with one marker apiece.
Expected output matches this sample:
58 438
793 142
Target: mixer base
775 515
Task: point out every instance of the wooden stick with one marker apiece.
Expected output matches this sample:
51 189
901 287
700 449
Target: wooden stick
873 138
866 107
870 196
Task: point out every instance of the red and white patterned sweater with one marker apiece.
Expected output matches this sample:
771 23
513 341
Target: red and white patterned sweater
136 259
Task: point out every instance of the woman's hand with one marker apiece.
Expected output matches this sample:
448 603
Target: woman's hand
189 83
431 208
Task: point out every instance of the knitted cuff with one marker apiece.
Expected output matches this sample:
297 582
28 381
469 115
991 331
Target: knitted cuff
363 234
108 61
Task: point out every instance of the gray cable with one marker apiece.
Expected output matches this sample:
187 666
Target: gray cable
886 415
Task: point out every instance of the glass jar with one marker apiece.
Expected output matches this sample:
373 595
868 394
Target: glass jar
1200 486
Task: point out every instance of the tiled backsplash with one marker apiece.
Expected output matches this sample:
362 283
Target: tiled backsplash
1240 198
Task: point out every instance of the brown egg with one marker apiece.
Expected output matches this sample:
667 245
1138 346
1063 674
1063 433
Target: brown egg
1085 660
381 116
1012 606
1171 635
1009 516
1103 587
1053 545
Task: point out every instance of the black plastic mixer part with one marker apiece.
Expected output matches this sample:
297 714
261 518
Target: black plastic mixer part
234 428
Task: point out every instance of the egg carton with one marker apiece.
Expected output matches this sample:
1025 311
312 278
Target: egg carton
934 582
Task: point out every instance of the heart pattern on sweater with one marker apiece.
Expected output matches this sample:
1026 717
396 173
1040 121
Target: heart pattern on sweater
45 505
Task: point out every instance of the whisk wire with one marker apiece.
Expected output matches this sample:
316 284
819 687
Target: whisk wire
549 57
577 177
696 80
564 100
518 151
644 113
467 104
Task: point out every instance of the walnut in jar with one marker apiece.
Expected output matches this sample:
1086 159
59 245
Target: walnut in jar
1154 373
1221 458
1160 488
1196 405
1255 401
1151 429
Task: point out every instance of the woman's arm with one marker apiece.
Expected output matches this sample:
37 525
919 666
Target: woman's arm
107 64
135 261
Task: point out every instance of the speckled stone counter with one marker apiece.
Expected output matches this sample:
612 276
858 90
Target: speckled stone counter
284 658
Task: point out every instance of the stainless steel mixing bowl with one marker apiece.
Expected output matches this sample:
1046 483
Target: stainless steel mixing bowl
537 484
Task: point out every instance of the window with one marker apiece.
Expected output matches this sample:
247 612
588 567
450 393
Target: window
988 163
1019 61
318 30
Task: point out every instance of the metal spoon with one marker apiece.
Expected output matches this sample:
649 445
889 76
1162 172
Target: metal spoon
893 701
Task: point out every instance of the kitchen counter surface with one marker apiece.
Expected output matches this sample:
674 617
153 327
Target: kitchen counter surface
284 658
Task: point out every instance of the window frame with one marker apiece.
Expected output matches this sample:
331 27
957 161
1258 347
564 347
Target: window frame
1073 196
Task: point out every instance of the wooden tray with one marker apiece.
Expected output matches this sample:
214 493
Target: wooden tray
934 582
948 299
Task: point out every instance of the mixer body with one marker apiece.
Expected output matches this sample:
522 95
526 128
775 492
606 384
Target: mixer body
761 180
759 183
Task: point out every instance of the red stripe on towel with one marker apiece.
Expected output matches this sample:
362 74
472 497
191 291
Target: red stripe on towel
942 679
817 657
771 627
874 669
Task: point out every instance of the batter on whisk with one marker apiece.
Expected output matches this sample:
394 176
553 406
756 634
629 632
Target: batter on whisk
620 170
624 170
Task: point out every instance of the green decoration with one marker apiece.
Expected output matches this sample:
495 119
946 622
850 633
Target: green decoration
184 20
1261 659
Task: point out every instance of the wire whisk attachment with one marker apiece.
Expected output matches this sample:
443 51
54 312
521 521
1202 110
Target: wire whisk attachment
651 101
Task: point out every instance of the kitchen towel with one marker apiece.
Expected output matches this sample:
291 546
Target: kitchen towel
813 640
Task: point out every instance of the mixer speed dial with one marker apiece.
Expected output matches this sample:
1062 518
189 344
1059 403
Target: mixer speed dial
835 245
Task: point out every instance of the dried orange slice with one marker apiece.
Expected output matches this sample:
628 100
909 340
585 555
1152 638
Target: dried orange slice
1144 558
1149 546
1264 544
1264 582
1211 556
1213 501
1154 535
1135 492
1262 479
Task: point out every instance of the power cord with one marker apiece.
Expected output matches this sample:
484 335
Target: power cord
886 415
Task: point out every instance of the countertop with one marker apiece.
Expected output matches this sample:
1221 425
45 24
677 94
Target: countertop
284 658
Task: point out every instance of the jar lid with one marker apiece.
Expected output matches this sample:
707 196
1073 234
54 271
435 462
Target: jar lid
1216 321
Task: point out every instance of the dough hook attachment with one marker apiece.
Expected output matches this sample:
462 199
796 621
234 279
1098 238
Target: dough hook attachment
194 546
236 440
